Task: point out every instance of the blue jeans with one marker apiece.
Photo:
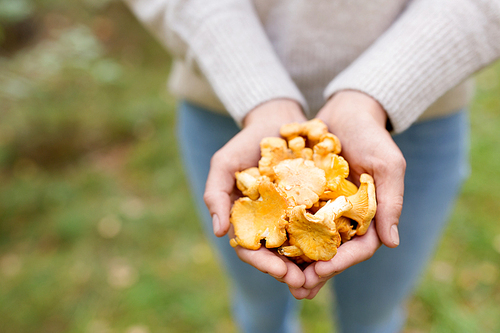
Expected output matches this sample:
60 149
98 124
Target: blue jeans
369 296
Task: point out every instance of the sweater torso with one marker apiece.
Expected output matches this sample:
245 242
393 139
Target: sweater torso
412 56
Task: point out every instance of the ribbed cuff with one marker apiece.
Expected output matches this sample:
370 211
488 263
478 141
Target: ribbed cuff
236 57
431 48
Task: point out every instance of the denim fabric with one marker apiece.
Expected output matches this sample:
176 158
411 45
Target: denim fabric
370 296
436 153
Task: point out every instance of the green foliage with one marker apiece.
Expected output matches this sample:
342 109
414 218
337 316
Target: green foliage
461 291
97 227
13 11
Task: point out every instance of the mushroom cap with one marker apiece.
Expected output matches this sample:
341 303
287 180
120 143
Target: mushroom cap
344 188
314 130
328 143
272 150
336 171
301 180
364 204
291 130
311 130
298 146
307 232
254 220
247 181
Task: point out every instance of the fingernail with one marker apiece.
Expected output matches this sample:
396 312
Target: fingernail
395 234
216 224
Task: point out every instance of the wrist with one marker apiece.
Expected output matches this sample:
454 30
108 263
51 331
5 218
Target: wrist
349 105
275 112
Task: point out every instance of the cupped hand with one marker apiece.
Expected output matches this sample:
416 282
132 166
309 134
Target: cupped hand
242 152
359 122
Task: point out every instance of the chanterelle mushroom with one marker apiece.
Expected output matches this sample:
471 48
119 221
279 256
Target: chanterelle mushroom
291 130
328 143
254 220
301 180
298 146
312 130
315 236
336 171
333 210
309 236
345 228
299 199
247 181
364 204
272 150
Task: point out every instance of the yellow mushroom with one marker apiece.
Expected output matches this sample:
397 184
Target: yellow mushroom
254 220
328 143
311 130
247 181
364 204
315 236
314 130
298 146
298 199
301 180
308 235
336 171
333 210
272 150
291 130
345 228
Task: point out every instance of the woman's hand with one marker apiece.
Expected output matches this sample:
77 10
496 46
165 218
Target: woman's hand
241 152
360 123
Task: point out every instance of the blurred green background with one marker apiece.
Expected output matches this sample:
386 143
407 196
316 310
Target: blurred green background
97 227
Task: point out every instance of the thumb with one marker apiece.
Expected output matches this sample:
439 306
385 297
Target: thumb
217 196
390 191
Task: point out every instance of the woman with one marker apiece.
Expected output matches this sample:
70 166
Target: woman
389 78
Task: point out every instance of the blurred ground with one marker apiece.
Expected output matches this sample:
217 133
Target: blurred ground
97 229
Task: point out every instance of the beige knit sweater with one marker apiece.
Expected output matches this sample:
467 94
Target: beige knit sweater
413 56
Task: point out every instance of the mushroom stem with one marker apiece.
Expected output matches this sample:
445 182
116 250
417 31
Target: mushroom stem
333 210
364 204
247 181
290 251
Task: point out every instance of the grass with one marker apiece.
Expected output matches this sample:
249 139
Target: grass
97 230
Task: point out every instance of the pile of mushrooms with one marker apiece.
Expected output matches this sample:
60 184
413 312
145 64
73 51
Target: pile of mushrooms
298 200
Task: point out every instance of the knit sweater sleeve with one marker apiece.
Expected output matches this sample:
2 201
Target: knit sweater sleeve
432 47
228 43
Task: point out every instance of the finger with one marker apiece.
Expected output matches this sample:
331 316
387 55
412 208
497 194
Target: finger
389 180
294 276
350 253
265 261
300 293
272 264
315 290
312 278
217 196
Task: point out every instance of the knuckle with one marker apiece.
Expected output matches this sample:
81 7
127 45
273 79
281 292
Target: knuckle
399 162
389 162
217 157
208 197
222 160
